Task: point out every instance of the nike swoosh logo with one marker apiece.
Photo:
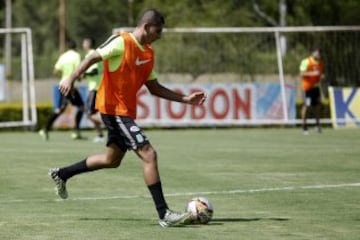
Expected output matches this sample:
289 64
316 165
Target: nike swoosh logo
139 62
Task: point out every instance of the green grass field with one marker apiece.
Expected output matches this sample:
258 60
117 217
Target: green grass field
263 183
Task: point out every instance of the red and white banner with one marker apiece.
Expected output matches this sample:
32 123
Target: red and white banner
226 104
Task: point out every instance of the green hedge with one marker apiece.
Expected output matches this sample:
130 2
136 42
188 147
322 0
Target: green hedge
13 112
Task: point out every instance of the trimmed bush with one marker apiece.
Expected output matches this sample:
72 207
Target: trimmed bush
13 112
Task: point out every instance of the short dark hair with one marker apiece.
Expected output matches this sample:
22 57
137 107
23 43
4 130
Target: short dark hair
152 16
70 43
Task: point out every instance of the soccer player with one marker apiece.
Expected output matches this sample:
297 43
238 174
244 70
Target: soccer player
64 66
311 72
93 77
128 65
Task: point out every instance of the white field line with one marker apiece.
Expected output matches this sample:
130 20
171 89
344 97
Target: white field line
228 192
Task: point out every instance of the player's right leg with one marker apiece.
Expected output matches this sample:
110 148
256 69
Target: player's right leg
59 109
172 218
304 110
110 159
316 101
44 133
60 185
303 119
317 118
77 101
151 174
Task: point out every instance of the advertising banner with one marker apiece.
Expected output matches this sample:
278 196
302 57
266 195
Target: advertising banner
226 104
345 107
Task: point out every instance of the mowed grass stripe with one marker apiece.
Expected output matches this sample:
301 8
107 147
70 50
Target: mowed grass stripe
237 191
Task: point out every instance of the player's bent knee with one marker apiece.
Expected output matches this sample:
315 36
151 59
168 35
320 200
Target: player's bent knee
112 163
148 155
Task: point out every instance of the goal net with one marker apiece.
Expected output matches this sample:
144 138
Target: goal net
17 90
251 75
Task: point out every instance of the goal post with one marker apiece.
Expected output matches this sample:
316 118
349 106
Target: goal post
20 90
250 58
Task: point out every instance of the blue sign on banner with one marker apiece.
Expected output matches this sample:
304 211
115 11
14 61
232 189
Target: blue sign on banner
345 107
269 103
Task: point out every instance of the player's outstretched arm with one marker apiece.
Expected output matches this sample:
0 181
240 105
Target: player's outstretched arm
66 85
159 90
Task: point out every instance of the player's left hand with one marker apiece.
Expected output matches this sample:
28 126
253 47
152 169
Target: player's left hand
196 98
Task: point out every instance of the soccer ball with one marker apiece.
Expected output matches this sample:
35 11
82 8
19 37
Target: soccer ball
201 209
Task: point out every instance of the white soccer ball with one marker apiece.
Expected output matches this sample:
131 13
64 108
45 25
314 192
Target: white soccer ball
201 209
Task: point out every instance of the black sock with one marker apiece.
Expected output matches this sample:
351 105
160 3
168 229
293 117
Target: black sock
78 117
159 200
77 168
51 120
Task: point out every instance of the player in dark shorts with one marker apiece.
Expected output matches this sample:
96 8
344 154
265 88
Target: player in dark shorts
312 97
64 66
75 100
124 132
311 72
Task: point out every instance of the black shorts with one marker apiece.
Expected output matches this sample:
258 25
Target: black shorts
312 97
74 98
124 132
90 102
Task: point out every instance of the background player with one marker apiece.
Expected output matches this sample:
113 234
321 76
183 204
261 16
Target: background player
311 72
64 66
93 76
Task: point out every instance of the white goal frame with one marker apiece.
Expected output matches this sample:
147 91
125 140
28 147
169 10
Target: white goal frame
277 31
29 114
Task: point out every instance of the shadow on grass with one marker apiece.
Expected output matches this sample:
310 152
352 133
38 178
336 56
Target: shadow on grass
139 220
215 221
113 219
247 219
